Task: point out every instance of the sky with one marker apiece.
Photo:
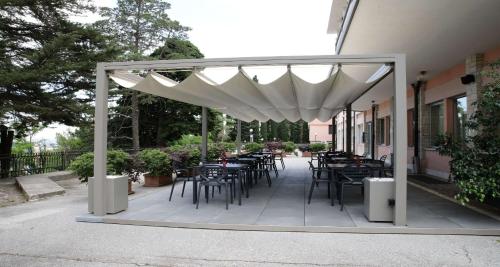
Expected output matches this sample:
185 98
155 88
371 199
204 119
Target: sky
237 28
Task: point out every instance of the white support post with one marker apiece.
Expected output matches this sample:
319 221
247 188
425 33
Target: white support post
400 143
100 141
204 134
238 137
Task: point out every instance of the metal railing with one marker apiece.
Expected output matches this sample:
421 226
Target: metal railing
35 163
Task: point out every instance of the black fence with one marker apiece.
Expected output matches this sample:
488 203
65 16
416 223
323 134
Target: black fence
34 163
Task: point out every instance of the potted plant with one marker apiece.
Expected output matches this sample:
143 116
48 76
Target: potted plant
133 168
304 148
317 147
289 147
254 147
158 167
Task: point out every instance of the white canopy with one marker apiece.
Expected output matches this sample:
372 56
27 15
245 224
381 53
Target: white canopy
288 97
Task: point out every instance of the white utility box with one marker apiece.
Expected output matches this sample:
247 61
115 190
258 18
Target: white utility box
116 193
379 193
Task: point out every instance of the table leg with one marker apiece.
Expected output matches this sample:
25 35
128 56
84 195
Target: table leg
239 188
195 190
332 181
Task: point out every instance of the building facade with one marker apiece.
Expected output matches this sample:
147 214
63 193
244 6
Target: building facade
445 92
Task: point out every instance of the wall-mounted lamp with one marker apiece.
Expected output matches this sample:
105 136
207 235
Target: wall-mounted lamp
467 79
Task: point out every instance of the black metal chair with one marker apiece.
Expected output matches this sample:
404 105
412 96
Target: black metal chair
261 168
319 175
279 156
182 175
352 175
213 175
270 164
315 157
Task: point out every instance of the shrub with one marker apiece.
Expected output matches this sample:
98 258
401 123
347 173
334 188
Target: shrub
317 147
185 156
117 160
188 139
254 147
228 147
274 145
134 167
289 147
156 162
475 160
83 165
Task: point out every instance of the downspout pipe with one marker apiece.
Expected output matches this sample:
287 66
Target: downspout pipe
373 131
416 127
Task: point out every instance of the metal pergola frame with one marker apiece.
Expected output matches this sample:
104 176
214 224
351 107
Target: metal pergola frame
399 126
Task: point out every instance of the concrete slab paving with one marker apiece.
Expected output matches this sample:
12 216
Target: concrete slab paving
38 186
285 205
44 233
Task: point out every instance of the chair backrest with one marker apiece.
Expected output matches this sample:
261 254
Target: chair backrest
311 165
356 172
209 171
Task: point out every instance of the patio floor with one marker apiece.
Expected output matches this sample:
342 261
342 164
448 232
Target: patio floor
285 205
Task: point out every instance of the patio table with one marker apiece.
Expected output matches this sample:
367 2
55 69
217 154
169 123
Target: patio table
332 176
335 167
230 167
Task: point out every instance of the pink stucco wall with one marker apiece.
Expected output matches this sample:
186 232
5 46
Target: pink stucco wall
441 86
318 131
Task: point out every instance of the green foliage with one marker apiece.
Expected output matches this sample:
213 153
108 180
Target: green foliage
254 147
316 147
47 63
215 150
116 161
184 156
188 139
140 25
69 141
83 165
156 162
475 161
289 147
22 146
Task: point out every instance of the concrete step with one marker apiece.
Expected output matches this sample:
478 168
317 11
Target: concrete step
39 186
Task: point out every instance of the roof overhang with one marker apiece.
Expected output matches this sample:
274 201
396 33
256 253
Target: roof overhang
435 35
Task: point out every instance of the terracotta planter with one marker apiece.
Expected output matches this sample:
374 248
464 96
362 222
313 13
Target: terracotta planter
306 154
156 181
130 191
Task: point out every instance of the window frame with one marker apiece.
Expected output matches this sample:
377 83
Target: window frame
441 117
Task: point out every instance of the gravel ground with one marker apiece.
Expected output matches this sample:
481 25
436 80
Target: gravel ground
45 233
10 193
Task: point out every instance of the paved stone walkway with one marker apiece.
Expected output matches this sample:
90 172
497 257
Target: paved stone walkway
285 204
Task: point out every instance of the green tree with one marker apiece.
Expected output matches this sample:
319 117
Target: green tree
283 131
69 141
163 120
47 63
475 160
139 26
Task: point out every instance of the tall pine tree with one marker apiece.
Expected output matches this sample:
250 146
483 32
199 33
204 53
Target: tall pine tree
140 26
47 63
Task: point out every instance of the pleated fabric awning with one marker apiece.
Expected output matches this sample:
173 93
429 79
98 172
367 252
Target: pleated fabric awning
289 97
